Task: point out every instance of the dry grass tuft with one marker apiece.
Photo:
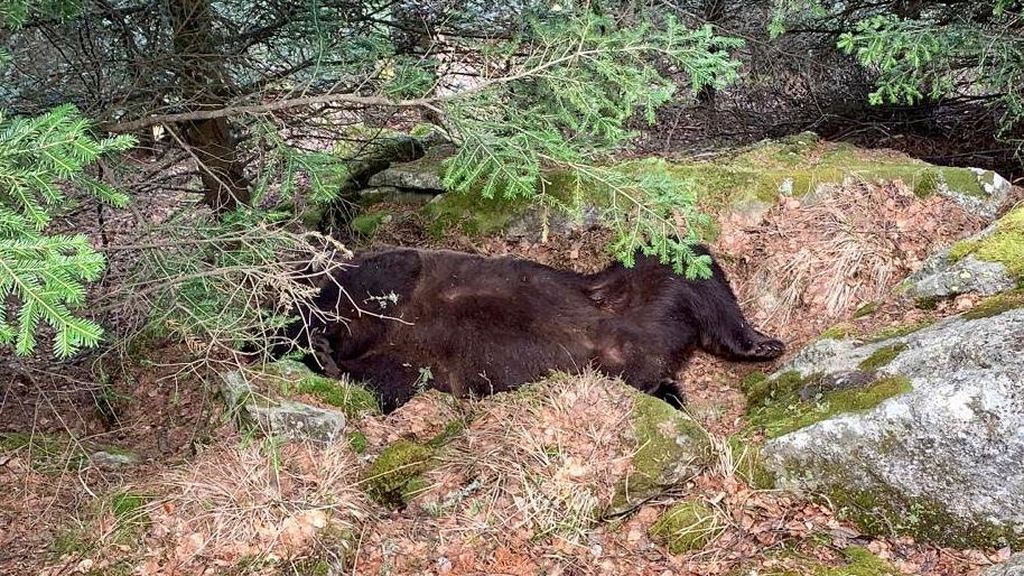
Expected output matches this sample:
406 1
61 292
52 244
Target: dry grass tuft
848 246
542 462
254 501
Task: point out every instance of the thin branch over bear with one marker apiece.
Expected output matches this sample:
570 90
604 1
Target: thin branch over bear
481 325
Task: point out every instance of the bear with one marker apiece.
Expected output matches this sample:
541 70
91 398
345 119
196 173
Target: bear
471 325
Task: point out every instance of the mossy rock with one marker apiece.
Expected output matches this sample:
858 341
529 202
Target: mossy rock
259 407
395 474
995 305
799 165
1004 246
748 462
294 378
687 526
776 407
671 448
471 213
882 357
883 512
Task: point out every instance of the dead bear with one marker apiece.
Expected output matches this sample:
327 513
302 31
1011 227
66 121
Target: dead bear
472 325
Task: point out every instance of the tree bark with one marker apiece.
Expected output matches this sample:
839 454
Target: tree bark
203 79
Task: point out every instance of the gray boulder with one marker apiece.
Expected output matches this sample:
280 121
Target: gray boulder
941 460
422 174
994 190
532 224
942 276
1012 567
280 417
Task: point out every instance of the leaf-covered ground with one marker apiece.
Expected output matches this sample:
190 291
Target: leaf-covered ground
512 484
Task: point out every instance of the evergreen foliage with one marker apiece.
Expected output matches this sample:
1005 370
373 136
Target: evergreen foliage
42 276
579 79
929 50
230 283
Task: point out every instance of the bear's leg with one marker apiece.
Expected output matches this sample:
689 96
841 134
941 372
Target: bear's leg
638 356
391 380
722 328
668 391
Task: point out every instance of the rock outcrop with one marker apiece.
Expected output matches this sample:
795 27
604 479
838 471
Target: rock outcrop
987 263
935 456
262 402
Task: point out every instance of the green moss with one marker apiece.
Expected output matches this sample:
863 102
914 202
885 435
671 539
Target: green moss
782 411
760 390
396 472
309 567
658 427
861 562
74 541
687 526
749 463
366 224
350 398
928 184
857 561
866 310
358 442
667 441
881 511
881 357
130 515
963 181
422 129
995 305
838 332
897 331
471 213
451 430
47 454
1005 245
928 302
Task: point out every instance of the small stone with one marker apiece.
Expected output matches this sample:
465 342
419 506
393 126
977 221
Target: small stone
105 459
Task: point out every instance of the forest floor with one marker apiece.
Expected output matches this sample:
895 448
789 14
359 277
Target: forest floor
516 490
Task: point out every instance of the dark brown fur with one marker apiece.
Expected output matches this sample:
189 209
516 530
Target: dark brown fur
484 325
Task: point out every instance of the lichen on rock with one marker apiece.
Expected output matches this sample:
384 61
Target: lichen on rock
259 409
947 419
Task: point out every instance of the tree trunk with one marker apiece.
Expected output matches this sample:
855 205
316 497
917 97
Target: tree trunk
202 77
